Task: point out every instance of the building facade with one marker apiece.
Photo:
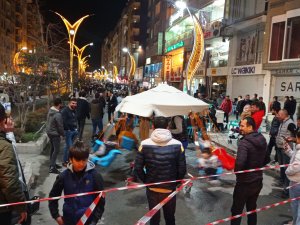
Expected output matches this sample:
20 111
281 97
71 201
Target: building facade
245 28
129 33
20 29
282 51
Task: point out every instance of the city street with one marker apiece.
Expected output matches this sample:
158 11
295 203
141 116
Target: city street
204 204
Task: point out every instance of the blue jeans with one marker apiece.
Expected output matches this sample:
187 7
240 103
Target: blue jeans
70 136
97 123
294 193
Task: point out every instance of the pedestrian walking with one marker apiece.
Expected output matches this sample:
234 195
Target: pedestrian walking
293 174
262 104
10 188
246 101
96 110
70 127
250 154
80 176
226 106
257 113
164 159
55 130
293 106
275 124
82 112
112 103
239 108
288 106
275 104
286 129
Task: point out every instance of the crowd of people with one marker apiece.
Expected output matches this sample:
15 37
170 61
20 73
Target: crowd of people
160 155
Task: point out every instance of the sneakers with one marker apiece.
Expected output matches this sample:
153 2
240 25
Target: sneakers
58 166
54 170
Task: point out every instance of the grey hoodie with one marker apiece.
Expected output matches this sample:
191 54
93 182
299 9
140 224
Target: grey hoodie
293 171
54 126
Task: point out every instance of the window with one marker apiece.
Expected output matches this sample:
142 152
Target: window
277 39
292 47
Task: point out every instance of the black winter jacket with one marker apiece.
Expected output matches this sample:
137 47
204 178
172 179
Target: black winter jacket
69 118
163 159
251 154
83 108
274 127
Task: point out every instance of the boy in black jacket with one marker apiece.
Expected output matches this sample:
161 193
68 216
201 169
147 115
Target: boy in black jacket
80 176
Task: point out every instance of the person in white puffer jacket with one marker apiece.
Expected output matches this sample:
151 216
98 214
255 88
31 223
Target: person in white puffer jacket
293 174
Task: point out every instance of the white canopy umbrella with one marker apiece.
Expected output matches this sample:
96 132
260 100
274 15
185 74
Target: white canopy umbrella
164 100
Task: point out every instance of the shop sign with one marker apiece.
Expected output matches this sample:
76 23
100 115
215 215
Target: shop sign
175 46
246 70
176 16
286 86
220 71
286 71
168 66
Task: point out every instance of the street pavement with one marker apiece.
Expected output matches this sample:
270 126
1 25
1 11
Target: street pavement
205 203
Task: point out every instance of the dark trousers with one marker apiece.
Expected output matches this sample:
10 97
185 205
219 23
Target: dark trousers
226 117
169 209
55 146
245 194
97 123
109 113
283 159
5 218
81 123
271 145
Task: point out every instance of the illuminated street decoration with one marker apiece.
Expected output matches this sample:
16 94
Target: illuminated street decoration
132 67
197 53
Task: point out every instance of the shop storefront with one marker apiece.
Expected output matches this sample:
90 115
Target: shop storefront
248 79
152 74
217 81
174 67
285 82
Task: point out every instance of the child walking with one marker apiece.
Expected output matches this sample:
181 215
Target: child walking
80 176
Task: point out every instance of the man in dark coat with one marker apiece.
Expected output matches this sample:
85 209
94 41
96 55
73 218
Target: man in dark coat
10 186
163 159
293 106
112 104
251 154
55 130
82 112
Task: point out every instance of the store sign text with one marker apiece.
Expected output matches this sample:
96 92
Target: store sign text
243 70
290 86
175 46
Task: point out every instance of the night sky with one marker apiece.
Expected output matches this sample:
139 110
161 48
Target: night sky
93 29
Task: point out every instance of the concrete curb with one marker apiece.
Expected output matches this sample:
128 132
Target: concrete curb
33 147
28 174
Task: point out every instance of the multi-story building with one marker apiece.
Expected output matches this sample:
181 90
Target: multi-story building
20 29
158 12
245 28
127 34
282 50
7 35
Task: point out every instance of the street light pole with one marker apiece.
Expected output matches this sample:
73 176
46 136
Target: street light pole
72 29
79 54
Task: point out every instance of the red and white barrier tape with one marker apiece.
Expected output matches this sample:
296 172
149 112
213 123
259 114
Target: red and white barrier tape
154 210
137 186
254 211
90 210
